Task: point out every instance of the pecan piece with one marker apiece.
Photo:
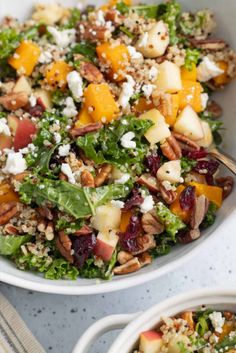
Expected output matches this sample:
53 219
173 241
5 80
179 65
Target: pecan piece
208 44
171 148
90 72
64 245
149 181
14 101
189 236
10 229
188 316
145 242
227 183
103 174
151 224
87 179
7 211
130 266
81 131
186 142
42 225
145 259
92 32
114 16
214 108
169 196
124 256
45 212
199 211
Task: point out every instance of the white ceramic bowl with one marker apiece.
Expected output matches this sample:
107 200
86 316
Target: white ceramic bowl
134 324
8 273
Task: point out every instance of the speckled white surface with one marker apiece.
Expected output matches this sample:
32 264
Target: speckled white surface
58 321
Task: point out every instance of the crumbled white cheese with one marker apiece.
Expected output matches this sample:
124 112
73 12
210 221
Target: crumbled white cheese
127 92
70 109
217 320
64 150
117 203
15 163
147 90
207 70
57 137
125 177
126 140
4 129
204 100
153 73
45 57
75 84
100 20
147 204
33 100
134 54
62 38
143 40
66 169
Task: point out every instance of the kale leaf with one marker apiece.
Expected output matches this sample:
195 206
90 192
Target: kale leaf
164 243
90 270
192 22
202 321
60 268
187 164
9 244
172 222
84 48
226 344
210 216
192 57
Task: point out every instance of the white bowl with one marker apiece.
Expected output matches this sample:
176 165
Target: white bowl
134 324
8 272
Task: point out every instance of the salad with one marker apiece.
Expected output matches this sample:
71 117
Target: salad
204 331
106 116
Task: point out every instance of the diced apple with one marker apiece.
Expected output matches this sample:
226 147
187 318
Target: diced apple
106 244
174 345
107 218
169 78
45 97
189 124
207 140
160 130
116 173
154 42
150 342
23 85
170 171
5 141
23 130
13 123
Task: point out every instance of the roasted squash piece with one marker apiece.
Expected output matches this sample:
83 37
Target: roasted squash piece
56 73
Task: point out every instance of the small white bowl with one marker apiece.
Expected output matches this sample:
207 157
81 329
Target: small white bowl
134 324
225 15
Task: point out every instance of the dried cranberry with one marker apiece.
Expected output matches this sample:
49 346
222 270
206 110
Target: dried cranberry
202 153
83 247
208 168
38 109
153 162
187 198
135 200
128 239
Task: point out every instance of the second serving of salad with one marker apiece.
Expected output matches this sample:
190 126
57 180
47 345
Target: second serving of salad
106 116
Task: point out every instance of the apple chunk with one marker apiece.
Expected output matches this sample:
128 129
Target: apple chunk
23 130
5 141
150 342
170 171
22 85
207 140
160 130
106 244
189 124
169 78
45 97
107 217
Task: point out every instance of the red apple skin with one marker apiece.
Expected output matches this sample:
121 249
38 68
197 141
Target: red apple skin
24 132
103 250
5 142
151 335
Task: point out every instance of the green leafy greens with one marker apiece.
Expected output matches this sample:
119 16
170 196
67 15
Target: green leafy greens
169 13
192 57
210 216
9 244
172 222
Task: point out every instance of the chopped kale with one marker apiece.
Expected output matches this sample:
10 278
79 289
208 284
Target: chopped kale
172 222
210 216
192 57
169 13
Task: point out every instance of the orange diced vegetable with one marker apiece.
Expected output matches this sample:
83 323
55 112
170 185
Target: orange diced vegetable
191 95
116 57
84 118
100 101
125 219
176 208
5 141
223 78
171 119
112 3
212 193
56 73
25 58
7 194
189 75
142 105
226 329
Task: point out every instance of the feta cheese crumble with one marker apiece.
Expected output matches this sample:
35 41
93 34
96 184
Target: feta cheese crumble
134 54
4 129
217 321
126 140
153 73
147 90
62 38
117 203
125 177
75 84
127 92
147 204
57 137
15 163
64 150
32 100
45 57
66 169
207 70
70 109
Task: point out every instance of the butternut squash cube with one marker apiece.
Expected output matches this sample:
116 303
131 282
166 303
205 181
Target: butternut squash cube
212 193
100 101
56 73
191 95
142 105
223 78
190 75
84 118
176 208
25 58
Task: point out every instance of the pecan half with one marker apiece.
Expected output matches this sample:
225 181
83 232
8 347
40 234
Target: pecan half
45 212
123 257
64 245
90 72
189 236
169 196
199 211
214 108
151 224
7 211
145 242
227 183
14 101
87 179
42 225
92 32
114 16
145 259
208 44
81 131
103 174
10 229
130 266
186 142
171 148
